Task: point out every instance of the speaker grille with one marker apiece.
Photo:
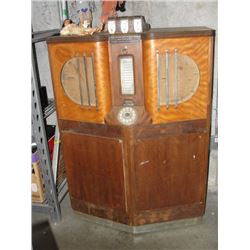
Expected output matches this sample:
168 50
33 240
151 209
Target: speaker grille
78 81
177 78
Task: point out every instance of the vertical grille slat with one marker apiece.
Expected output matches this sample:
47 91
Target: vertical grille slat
167 81
177 78
158 80
94 81
78 80
86 78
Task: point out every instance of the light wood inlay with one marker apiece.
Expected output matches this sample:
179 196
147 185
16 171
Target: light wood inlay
60 53
198 48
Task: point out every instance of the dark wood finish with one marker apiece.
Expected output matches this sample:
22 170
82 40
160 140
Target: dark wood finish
143 117
142 131
101 130
97 37
173 128
98 182
209 106
144 173
102 212
170 213
171 166
159 33
136 163
128 45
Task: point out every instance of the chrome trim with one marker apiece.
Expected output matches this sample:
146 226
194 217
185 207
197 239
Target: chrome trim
79 80
93 71
158 79
86 78
167 81
176 76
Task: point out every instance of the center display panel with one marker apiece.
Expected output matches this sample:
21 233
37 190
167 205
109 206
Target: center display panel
134 116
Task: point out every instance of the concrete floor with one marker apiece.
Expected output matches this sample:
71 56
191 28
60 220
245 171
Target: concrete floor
75 233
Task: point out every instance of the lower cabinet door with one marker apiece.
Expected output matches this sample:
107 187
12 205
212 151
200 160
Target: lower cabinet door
170 171
95 172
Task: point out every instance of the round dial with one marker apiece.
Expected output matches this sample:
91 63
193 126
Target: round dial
127 116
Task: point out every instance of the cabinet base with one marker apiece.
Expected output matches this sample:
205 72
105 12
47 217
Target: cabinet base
156 227
142 218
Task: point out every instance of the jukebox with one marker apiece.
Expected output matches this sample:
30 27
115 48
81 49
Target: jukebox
133 107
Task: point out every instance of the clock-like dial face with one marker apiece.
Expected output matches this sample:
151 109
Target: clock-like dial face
127 116
137 25
124 26
111 26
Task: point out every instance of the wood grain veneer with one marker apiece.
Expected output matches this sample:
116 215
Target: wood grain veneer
199 49
134 175
59 54
143 173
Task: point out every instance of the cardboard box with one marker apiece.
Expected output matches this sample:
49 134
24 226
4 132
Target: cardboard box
37 183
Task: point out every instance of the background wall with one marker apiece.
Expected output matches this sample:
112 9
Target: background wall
169 13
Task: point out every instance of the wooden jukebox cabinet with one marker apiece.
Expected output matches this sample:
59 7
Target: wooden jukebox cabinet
134 116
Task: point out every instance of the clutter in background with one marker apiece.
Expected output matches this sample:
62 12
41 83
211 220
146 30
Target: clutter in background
85 18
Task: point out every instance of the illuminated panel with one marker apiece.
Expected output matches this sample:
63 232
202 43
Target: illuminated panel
127 75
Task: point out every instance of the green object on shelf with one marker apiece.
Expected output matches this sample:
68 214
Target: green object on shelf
65 13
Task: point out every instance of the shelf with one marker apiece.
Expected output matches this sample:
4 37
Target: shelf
55 190
40 36
45 207
41 208
50 109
